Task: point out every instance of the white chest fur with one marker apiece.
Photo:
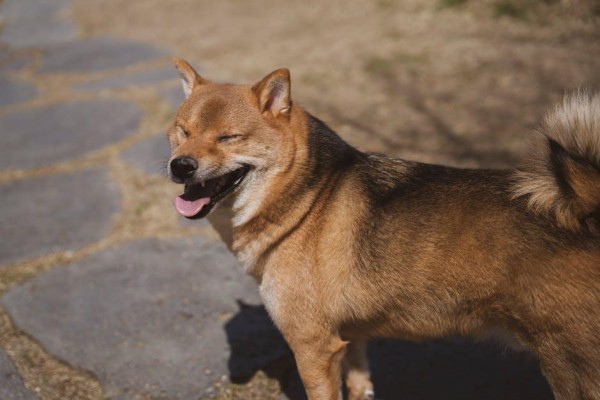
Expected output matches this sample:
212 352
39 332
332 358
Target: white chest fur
248 255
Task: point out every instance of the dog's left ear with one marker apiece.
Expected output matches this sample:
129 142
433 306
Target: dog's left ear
189 77
273 93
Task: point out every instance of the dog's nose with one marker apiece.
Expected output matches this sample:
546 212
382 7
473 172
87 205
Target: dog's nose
183 167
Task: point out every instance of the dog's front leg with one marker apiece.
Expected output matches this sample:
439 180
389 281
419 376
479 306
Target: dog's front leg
319 362
356 371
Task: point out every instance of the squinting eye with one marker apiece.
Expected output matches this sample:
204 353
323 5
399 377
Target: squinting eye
180 136
225 138
182 133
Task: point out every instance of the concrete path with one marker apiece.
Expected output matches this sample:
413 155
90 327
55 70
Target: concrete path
105 291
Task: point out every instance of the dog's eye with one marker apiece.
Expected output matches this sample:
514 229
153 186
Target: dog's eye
225 138
182 132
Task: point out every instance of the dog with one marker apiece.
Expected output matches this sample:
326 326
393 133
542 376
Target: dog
346 245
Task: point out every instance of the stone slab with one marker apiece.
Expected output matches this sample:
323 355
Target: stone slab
13 91
96 54
59 132
11 385
61 212
131 79
150 156
147 317
35 23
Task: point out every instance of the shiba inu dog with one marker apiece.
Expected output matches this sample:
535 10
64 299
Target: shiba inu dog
347 245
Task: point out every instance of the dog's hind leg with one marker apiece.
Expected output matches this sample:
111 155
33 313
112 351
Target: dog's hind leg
573 375
569 383
356 371
561 378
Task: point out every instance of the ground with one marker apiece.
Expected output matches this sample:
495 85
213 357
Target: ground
107 293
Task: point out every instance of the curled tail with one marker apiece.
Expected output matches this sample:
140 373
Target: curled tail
561 175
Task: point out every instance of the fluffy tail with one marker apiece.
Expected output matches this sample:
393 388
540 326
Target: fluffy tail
561 176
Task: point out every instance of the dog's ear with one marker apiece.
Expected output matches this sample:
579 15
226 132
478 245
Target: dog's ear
189 77
273 93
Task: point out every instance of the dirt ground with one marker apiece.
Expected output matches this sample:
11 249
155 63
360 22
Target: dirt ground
452 82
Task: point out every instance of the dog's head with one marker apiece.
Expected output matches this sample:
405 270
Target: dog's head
227 138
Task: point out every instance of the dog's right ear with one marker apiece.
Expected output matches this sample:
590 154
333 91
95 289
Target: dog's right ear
273 93
189 77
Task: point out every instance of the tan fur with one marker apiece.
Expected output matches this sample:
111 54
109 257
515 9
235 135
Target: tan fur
575 125
346 245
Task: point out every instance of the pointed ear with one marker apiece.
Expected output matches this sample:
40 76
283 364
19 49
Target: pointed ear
273 93
189 77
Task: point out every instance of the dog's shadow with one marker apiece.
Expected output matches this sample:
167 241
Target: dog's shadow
444 369
256 345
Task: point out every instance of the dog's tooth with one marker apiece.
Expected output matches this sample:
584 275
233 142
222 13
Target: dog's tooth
202 183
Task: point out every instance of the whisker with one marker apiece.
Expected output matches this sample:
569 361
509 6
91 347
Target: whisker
162 166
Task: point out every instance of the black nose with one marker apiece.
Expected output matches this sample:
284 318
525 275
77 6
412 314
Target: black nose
183 167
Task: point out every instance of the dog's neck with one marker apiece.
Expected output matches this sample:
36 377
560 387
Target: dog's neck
256 220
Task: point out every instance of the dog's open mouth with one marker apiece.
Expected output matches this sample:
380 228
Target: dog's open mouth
199 198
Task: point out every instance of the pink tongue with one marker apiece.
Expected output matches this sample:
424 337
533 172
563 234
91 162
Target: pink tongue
190 208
